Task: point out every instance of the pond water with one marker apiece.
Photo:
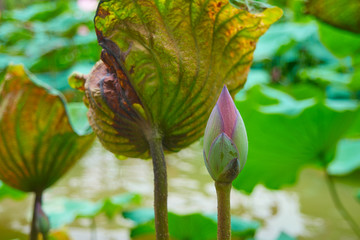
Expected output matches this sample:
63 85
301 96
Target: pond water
304 210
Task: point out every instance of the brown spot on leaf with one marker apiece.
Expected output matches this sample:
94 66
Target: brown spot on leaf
115 87
132 69
214 8
102 13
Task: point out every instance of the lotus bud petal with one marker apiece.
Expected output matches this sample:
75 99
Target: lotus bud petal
225 140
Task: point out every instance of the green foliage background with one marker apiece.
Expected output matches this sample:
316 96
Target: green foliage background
52 39
300 103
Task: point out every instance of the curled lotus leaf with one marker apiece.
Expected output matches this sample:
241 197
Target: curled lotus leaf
163 65
343 14
38 141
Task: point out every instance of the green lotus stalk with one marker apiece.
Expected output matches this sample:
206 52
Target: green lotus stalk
39 141
34 231
162 64
339 205
40 222
225 154
160 185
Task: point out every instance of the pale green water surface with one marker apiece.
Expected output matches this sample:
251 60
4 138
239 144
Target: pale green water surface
304 210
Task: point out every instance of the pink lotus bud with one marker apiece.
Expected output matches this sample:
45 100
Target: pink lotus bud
225 140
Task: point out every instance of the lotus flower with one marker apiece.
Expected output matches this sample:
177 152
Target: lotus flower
163 63
225 140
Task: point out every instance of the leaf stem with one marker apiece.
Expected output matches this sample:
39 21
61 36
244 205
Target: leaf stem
160 185
224 217
34 231
339 205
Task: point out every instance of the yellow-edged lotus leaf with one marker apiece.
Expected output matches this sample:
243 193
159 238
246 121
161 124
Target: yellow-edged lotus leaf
163 65
38 141
343 14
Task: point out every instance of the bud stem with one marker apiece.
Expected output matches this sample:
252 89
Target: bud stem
34 231
160 185
339 205
224 217
45 237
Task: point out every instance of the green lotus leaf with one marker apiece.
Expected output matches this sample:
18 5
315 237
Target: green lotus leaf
193 226
340 42
285 236
39 12
38 138
163 66
347 158
289 134
343 14
64 211
343 43
8 192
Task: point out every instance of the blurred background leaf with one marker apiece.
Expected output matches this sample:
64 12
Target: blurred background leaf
286 133
8 192
347 158
64 211
343 14
194 226
52 39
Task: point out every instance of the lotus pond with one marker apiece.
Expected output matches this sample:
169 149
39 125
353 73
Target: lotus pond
305 210
292 68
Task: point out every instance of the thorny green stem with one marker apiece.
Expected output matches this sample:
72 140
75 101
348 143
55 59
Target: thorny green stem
224 217
339 205
34 231
160 185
